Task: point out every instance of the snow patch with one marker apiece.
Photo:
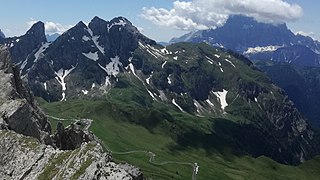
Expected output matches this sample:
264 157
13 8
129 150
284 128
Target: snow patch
197 105
230 62
258 49
93 56
93 85
221 95
211 61
45 86
255 99
113 67
85 38
165 51
120 23
17 40
164 64
107 83
210 103
150 93
169 80
148 79
25 62
151 50
220 67
60 76
175 58
39 54
95 40
174 103
85 92
217 56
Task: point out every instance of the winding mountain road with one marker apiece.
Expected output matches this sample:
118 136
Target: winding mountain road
88 122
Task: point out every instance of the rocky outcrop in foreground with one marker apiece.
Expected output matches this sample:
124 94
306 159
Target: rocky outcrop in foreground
18 110
24 157
28 151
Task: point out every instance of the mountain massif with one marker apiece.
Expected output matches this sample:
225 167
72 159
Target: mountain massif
259 41
197 95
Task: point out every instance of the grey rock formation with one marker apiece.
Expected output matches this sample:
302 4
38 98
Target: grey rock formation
24 157
71 137
17 106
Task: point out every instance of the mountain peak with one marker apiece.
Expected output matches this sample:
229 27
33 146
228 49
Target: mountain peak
246 21
121 19
81 24
37 29
37 32
97 19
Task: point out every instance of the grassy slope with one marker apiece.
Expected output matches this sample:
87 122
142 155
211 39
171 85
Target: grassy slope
119 134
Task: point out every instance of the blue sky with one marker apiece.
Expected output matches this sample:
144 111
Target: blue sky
15 15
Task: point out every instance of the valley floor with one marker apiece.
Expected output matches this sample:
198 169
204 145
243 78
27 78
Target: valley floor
137 145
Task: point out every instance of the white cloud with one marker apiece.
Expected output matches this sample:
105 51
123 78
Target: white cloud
52 27
310 34
204 14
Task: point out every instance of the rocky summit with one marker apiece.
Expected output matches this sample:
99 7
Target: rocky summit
29 151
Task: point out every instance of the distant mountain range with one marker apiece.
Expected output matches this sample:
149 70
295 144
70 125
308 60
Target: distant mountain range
113 59
289 59
259 41
52 37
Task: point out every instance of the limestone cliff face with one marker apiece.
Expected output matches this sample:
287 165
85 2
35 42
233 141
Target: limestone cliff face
24 157
27 151
18 109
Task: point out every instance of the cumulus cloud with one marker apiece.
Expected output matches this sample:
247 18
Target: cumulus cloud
205 14
52 27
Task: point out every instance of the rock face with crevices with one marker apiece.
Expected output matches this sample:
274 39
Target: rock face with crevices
18 109
23 157
27 151
71 137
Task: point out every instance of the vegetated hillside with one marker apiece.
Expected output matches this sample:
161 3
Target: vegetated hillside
265 42
300 83
115 123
